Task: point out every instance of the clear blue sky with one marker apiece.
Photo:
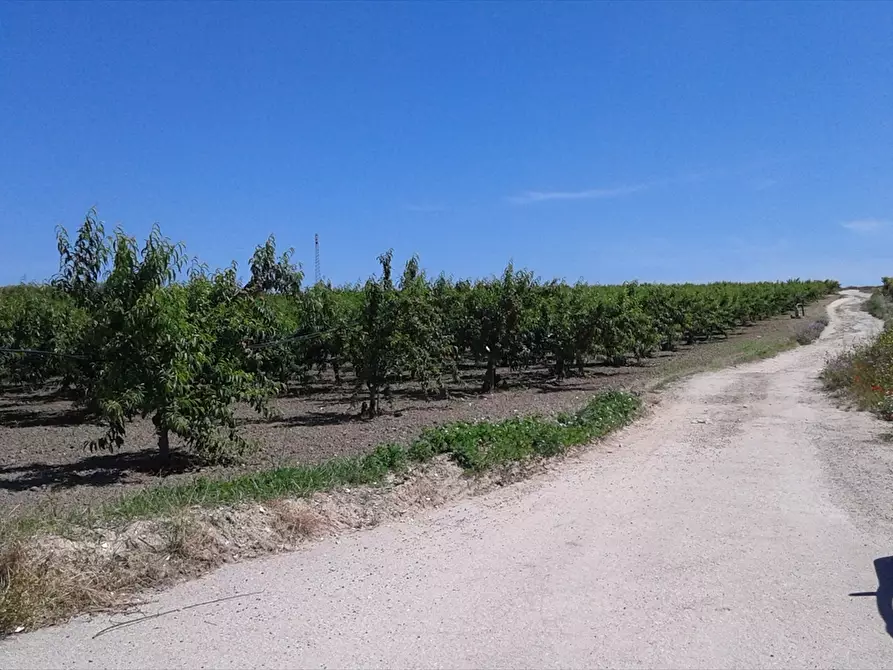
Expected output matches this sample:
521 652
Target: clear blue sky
650 141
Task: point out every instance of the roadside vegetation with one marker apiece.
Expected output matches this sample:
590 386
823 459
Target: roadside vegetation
864 374
54 565
880 304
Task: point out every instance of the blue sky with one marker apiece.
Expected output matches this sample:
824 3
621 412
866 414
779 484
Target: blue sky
610 142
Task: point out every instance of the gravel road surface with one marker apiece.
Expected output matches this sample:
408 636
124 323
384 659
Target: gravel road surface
727 529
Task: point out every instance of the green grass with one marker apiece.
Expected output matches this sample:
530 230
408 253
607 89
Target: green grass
752 350
298 481
478 446
473 446
735 352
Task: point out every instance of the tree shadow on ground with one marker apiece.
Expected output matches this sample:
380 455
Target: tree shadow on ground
95 470
38 394
21 417
566 386
310 419
884 595
316 419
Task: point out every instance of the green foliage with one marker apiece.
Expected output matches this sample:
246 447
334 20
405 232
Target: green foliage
134 332
481 445
270 274
38 318
174 352
499 314
398 334
295 481
81 262
148 344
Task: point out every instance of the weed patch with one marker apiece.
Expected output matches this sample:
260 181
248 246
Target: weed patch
864 375
880 306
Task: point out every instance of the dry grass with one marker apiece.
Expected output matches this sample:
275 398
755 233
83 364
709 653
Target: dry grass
293 522
46 579
864 375
190 542
39 585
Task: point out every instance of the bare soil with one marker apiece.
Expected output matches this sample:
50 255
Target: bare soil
42 458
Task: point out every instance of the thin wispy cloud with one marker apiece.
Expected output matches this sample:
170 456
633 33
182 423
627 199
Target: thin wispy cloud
424 209
529 197
865 226
763 184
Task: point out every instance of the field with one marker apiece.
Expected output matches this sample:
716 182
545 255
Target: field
163 369
41 436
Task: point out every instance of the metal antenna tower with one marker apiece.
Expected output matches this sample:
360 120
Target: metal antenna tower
316 258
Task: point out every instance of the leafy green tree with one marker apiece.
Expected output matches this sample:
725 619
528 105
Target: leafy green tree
398 335
420 337
565 325
499 311
171 352
372 344
81 262
328 318
40 324
272 274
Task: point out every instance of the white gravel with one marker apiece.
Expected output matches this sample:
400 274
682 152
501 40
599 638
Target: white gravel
727 531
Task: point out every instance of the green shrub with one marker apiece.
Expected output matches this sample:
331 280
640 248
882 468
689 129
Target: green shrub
865 375
880 306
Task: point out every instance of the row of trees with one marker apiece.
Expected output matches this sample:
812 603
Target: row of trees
145 331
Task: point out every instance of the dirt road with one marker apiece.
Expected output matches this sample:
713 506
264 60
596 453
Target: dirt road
728 530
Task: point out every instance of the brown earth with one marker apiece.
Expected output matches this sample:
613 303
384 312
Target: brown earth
42 460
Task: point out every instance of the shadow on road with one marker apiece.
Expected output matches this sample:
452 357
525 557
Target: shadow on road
884 594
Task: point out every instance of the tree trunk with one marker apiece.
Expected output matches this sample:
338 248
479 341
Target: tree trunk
560 369
164 445
374 402
490 376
